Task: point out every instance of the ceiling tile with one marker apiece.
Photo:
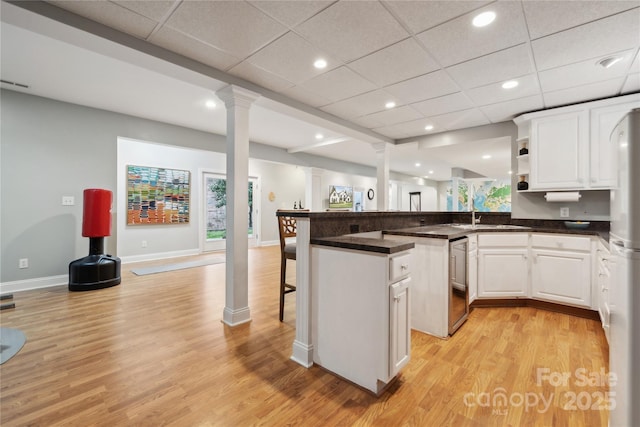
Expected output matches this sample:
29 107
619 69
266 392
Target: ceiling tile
260 77
458 40
359 105
632 83
583 93
290 13
335 30
422 15
292 58
338 84
584 72
412 128
301 94
395 63
395 115
461 119
613 34
424 87
443 104
495 67
112 15
548 17
493 93
223 24
503 111
155 10
635 67
177 42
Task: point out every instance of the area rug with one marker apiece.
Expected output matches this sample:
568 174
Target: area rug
178 266
11 341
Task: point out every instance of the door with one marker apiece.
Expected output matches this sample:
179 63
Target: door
502 273
399 326
215 212
561 276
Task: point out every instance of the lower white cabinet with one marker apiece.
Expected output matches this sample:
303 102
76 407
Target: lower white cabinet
604 281
503 266
361 314
561 269
473 268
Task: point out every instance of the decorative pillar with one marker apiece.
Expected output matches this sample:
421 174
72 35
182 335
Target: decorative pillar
313 189
237 102
302 345
382 185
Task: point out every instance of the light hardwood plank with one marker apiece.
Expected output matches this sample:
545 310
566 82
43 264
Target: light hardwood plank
153 351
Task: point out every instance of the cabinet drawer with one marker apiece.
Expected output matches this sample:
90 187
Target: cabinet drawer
399 266
555 241
503 239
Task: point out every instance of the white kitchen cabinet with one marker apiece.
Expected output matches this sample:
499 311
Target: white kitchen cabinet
603 161
503 265
559 151
604 281
473 267
561 269
361 313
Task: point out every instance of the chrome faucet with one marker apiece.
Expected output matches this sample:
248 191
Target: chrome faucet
474 220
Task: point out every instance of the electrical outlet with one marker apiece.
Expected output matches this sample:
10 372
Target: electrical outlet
144 243
68 201
23 263
564 212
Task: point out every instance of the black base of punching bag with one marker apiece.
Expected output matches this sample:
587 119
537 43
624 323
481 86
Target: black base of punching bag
95 271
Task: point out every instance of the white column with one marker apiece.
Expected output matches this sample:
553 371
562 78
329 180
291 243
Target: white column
313 189
237 101
302 345
382 185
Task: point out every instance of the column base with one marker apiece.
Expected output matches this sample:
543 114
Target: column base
233 317
302 354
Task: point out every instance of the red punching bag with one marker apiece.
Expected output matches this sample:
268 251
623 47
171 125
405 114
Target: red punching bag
96 218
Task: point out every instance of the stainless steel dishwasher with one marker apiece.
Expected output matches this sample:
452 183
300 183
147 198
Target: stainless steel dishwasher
458 283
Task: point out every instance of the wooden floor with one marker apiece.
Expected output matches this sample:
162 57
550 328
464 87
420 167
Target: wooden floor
153 351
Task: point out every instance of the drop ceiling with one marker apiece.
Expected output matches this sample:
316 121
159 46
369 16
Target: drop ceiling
164 60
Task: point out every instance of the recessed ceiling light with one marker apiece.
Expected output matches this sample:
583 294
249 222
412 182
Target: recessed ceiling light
389 105
510 84
610 61
430 172
320 64
484 19
417 165
428 127
210 104
319 136
486 156
510 172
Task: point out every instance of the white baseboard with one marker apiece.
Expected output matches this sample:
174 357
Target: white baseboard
269 243
38 283
160 255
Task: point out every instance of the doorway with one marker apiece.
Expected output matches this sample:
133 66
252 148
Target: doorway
214 229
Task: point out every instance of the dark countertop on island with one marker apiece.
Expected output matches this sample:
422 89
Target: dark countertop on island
364 244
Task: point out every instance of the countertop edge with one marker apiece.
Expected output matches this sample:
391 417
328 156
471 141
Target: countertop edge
364 244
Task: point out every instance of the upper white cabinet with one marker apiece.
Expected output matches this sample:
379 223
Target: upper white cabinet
559 151
570 148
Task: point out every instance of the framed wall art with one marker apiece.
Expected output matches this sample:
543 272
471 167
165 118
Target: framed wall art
157 195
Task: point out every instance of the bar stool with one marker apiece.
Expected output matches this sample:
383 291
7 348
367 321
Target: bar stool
287 228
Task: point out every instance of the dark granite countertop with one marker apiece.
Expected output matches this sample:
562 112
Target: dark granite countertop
453 231
366 244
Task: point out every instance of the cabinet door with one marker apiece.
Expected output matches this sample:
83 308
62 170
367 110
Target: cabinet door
399 326
561 276
473 276
559 151
502 273
603 152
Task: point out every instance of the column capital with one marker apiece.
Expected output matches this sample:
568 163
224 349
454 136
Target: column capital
380 147
237 96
